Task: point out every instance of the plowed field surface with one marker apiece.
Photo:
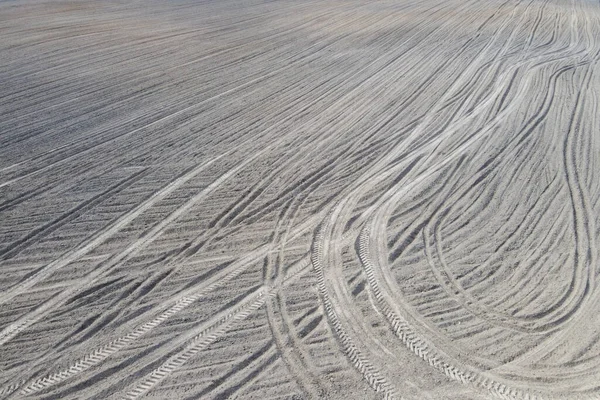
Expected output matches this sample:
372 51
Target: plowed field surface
300 199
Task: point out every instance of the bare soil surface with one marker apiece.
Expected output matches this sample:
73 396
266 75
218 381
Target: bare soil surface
300 199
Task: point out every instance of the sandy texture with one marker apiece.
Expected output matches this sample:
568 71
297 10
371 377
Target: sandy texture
300 199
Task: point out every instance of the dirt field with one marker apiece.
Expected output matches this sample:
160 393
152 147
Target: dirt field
300 199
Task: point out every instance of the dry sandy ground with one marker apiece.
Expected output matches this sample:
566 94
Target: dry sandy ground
300 199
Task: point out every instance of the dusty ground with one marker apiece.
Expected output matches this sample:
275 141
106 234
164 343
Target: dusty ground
300 199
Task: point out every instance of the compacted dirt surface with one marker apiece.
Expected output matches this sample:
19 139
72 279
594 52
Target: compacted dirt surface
300 199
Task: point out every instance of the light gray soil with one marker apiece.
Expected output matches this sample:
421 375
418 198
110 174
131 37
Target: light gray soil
300 199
